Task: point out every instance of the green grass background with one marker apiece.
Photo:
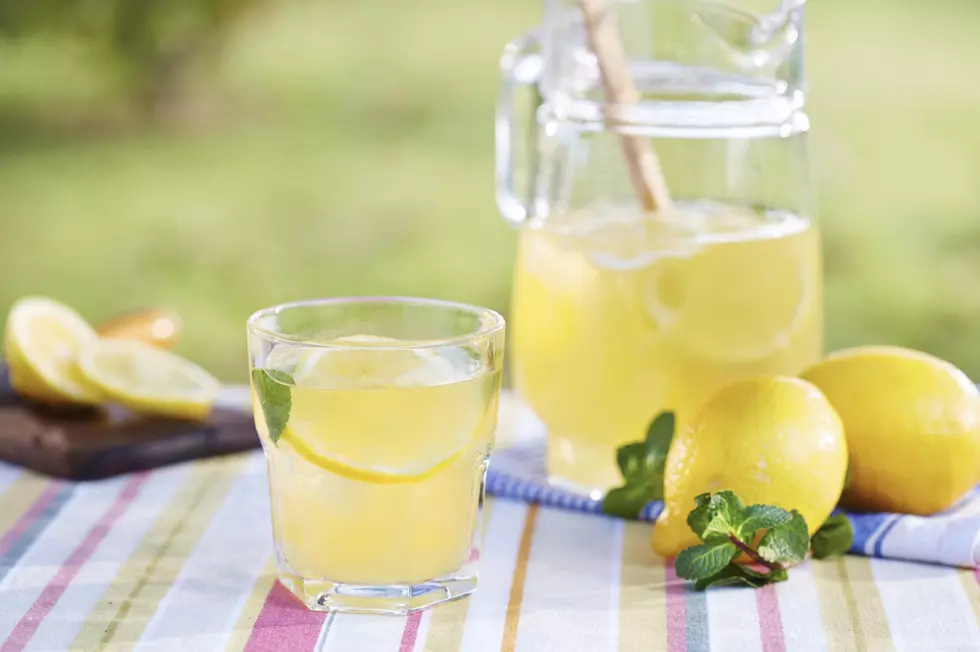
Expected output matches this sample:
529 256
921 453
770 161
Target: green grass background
347 148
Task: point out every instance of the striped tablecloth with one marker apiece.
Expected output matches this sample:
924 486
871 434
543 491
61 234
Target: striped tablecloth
181 559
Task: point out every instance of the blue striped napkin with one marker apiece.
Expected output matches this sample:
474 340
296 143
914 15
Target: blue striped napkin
517 471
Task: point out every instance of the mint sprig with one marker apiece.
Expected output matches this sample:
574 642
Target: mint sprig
729 529
642 467
833 538
275 398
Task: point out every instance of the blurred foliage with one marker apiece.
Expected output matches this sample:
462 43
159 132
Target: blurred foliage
348 149
150 42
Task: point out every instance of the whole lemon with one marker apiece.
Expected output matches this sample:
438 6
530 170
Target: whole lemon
772 440
912 423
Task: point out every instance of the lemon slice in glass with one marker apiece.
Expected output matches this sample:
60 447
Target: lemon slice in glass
379 414
42 340
148 380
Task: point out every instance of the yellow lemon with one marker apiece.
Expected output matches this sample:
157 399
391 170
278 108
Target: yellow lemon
147 379
774 440
41 342
912 423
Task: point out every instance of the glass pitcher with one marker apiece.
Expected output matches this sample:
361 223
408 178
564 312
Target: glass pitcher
620 312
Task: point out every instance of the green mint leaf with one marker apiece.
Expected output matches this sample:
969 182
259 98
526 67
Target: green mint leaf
660 433
627 501
631 460
762 517
704 559
736 575
700 516
726 514
642 467
275 398
848 477
786 543
833 538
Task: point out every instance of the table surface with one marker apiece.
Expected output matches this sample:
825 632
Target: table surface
181 559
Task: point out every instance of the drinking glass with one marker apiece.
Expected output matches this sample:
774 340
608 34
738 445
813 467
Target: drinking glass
377 419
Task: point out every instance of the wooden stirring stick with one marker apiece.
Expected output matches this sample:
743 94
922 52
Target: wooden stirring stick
151 325
644 166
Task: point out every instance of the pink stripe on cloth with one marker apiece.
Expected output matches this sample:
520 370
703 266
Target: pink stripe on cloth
411 632
770 620
28 517
285 624
29 622
676 621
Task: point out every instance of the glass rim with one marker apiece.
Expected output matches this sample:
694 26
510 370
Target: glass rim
491 323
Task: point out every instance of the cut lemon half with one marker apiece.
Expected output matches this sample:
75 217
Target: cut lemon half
42 340
148 380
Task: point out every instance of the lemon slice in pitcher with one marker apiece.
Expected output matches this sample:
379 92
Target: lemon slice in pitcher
744 298
42 339
148 380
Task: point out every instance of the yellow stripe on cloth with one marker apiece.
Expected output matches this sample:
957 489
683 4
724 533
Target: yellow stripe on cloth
447 622
970 580
642 593
124 610
851 605
252 607
517 583
446 625
18 498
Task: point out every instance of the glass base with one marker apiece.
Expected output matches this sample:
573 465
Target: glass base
395 599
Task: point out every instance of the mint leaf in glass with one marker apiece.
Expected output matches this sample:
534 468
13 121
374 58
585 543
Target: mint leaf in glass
275 398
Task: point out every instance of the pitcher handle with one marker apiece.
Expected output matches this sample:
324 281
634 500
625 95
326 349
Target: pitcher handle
520 66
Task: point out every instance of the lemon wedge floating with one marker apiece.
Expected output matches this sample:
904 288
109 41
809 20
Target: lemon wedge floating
42 339
148 380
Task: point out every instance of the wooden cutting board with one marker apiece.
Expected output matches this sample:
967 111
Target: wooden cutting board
89 443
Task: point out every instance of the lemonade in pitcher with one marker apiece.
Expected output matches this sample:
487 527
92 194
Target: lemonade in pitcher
377 448
662 195
618 315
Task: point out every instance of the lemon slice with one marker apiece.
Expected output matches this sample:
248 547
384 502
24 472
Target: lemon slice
737 301
363 367
374 415
147 379
43 338
361 474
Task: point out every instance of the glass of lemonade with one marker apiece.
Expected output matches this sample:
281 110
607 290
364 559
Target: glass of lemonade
377 418
620 312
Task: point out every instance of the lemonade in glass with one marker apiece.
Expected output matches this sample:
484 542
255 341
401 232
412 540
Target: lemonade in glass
377 418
